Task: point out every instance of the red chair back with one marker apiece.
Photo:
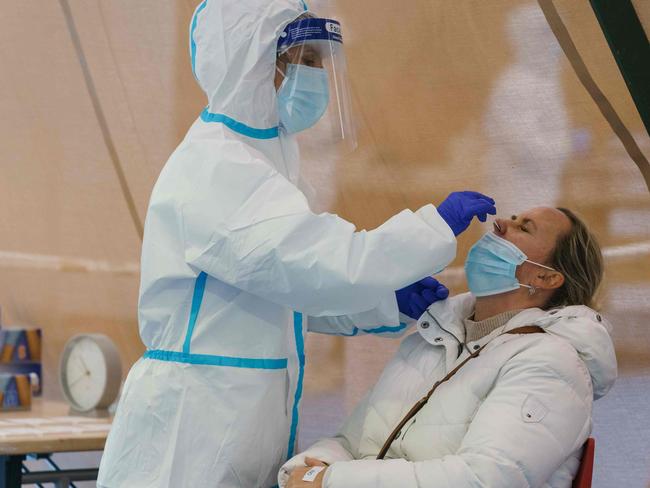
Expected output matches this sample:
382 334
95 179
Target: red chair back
586 469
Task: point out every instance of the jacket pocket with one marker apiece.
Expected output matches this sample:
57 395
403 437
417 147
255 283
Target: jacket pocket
533 410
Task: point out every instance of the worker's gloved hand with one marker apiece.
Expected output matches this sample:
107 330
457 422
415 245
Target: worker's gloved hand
414 299
460 207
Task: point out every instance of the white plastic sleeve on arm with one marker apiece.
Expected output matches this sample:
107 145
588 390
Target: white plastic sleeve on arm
384 320
261 237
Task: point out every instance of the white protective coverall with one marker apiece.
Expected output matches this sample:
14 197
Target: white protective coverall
516 416
234 268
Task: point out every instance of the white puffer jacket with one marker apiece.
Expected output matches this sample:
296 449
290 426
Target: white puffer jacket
516 416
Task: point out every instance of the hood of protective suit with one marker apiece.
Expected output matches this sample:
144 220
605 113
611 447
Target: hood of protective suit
585 329
233 52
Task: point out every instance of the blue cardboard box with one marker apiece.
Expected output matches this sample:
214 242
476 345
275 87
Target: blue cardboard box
15 392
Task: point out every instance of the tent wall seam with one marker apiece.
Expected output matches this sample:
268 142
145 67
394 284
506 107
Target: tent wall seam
579 67
628 42
101 119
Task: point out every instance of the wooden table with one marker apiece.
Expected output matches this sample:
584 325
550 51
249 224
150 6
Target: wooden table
46 429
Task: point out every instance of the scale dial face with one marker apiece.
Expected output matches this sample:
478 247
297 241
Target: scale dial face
89 372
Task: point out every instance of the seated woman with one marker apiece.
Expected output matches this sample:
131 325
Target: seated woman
522 356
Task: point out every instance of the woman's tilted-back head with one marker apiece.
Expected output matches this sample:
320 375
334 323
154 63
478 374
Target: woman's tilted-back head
578 257
543 257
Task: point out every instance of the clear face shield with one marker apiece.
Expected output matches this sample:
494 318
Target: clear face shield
312 85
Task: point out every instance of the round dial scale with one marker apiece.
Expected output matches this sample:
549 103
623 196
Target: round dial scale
90 372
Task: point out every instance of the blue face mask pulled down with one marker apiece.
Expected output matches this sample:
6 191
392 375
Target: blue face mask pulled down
303 97
491 265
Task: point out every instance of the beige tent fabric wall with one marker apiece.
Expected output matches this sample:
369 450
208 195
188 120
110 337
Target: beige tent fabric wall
479 94
449 95
69 253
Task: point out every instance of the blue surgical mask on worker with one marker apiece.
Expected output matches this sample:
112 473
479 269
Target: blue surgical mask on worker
491 265
303 97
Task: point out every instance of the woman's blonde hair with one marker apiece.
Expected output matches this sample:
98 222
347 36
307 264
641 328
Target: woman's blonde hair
578 257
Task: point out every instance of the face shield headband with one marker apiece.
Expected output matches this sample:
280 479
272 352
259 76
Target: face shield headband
309 29
315 89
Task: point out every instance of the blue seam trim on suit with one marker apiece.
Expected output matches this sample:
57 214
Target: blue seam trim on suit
197 298
378 330
304 5
239 127
300 347
192 43
210 360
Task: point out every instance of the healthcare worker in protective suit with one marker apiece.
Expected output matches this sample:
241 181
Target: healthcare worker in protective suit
235 266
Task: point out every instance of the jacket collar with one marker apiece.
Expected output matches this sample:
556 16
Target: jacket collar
586 330
446 317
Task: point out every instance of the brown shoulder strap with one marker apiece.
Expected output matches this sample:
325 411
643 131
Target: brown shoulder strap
526 329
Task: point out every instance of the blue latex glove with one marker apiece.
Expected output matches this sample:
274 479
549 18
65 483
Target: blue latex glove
414 299
460 207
